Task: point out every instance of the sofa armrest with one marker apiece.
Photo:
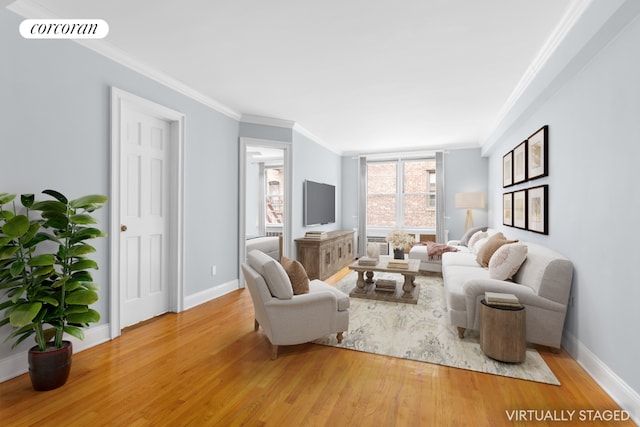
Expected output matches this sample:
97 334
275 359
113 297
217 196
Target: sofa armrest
475 288
453 243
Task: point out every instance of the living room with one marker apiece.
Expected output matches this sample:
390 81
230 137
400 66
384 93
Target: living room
56 101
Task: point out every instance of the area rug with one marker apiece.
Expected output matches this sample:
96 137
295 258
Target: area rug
422 332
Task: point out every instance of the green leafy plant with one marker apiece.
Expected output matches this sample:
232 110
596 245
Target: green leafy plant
44 268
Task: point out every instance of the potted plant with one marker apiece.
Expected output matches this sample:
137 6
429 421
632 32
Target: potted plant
44 273
399 241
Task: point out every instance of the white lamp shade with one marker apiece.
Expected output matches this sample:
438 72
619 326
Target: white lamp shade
469 200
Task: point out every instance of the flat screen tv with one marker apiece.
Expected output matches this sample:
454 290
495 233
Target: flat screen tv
319 203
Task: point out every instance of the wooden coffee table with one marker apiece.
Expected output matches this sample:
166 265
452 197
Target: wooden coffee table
385 290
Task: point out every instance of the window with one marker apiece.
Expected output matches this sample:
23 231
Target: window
381 194
401 194
274 179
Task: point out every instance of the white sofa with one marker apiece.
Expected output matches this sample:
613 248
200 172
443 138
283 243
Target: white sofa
542 284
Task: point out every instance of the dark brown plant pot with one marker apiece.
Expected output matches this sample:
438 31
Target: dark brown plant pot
398 253
50 369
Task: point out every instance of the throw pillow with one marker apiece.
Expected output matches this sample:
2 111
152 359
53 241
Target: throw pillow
297 275
464 240
476 238
277 280
479 244
506 261
492 245
257 259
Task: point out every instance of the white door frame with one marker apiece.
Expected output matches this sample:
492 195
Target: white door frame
287 228
175 273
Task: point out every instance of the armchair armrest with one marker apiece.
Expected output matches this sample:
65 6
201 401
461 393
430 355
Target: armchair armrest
304 301
315 310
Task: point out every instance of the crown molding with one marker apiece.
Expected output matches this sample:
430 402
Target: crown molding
28 9
286 124
306 133
567 22
267 121
412 152
593 28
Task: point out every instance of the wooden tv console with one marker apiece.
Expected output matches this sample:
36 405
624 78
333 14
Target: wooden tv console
322 258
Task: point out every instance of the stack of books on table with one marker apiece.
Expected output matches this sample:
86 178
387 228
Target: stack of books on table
501 300
315 235
385 285
398 263
367 261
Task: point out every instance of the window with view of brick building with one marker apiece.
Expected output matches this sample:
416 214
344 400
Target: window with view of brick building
401 194
274 195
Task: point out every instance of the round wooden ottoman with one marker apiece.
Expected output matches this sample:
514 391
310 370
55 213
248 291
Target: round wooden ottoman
503 332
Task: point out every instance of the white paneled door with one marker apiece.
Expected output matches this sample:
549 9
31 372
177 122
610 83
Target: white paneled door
144 216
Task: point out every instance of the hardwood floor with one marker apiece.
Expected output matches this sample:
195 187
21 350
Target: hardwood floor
208 367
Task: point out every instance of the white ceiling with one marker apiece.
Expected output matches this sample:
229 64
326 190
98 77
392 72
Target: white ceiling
358 76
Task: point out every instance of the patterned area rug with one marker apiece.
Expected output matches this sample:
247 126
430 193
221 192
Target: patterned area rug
422 332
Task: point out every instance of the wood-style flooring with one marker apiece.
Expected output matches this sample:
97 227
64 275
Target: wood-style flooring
207 367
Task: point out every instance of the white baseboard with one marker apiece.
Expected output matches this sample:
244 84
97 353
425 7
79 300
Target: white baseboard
210 294
612 384
17 363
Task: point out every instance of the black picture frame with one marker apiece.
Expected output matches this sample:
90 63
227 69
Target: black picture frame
507 169
520 209
538 154
520 163
538 209
507 209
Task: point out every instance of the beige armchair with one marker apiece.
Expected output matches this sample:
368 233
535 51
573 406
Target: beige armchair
289 319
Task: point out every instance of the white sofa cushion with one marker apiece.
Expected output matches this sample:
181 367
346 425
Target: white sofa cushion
456 277
465 259
506 261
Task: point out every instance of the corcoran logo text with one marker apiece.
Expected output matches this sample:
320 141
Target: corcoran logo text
64 29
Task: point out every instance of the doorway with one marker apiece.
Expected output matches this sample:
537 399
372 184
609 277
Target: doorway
146 210
265 207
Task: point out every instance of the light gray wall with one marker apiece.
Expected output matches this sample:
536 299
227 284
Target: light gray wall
314 162
594 127
350 193
465 171
55 106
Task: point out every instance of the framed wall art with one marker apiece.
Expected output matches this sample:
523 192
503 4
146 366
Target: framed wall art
520 163
537 209
507 209
507 169
537 154
520 209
